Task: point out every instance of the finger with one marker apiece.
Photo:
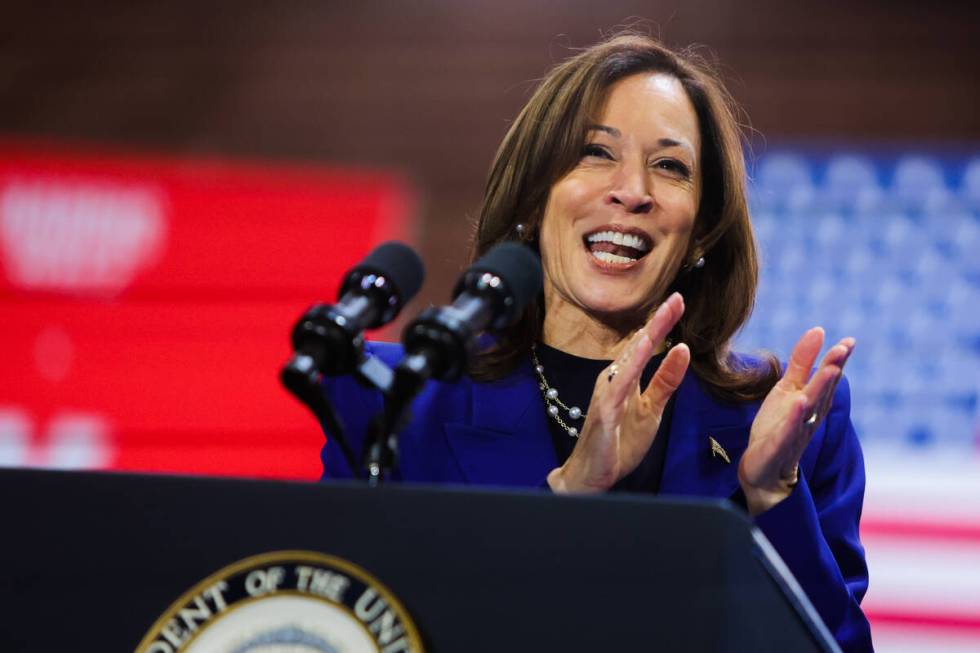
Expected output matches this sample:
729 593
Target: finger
667 379
836 358
802 359
823 408
795 434
818 393
839 353
665 318
623 375
817 386
666 315
799 438
628 368
618 369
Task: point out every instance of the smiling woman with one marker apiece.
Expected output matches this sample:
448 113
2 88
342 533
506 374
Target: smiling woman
625 173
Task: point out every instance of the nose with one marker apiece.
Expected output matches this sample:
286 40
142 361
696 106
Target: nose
631 190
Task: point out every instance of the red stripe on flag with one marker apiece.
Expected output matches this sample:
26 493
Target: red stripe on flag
931 621
921 530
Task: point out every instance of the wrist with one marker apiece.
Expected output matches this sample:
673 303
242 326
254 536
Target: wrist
759 500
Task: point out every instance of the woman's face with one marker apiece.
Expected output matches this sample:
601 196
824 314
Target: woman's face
615 228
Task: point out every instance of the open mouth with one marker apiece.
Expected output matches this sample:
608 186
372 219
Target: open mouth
617 247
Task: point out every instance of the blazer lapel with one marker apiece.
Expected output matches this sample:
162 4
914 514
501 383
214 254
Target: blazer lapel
507 441
694 466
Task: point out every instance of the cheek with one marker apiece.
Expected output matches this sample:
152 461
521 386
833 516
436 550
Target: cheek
549 246
679 212
570 198
565 206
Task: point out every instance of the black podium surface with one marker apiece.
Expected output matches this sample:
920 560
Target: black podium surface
91 560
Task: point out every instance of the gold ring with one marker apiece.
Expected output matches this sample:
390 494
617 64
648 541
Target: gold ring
613 371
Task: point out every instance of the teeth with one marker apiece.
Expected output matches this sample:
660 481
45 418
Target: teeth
619 238
612 258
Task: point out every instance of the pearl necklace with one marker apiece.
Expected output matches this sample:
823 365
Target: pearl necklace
551 399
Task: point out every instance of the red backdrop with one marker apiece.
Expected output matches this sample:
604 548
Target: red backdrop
146 304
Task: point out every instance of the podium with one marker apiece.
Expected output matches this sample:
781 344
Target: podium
92 561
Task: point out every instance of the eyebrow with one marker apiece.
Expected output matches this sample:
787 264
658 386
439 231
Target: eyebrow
606 128
663 142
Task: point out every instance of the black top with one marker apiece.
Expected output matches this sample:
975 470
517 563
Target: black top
574 378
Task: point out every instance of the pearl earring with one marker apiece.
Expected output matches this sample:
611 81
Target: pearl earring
699 263
520 228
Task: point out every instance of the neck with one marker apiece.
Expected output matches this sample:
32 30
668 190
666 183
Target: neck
573 331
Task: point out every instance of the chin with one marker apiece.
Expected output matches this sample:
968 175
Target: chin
616 309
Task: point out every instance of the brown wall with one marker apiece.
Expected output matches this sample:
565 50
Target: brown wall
428 87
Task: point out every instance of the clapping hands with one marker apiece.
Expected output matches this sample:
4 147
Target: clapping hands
787 419
622 422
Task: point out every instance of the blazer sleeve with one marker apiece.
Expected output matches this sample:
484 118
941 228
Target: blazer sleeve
816 529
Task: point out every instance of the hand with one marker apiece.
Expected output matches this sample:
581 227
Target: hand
622 422
784 425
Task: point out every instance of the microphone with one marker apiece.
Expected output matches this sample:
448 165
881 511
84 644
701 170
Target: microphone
371 295
491 294
329 340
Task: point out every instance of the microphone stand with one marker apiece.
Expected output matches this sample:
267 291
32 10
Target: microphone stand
302 378
381 450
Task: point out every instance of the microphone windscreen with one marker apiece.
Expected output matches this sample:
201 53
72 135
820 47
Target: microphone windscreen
520 269
399 264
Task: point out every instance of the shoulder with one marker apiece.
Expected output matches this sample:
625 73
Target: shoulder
741 360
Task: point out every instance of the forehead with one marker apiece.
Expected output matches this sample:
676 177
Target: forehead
653 104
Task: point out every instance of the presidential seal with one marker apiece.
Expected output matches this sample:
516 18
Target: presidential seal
286 601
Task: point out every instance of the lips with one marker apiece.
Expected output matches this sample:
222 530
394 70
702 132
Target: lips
613 244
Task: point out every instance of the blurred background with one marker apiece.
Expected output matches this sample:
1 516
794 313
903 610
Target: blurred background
179 181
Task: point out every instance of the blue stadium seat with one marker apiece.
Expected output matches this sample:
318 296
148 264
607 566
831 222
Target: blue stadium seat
850 184
896 265
970 187
919 184
783 182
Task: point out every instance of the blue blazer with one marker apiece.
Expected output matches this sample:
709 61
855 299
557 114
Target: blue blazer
497 434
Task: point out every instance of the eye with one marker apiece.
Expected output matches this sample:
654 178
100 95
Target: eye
595 150
673 166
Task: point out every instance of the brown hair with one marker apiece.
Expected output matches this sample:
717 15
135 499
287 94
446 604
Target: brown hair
545 143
